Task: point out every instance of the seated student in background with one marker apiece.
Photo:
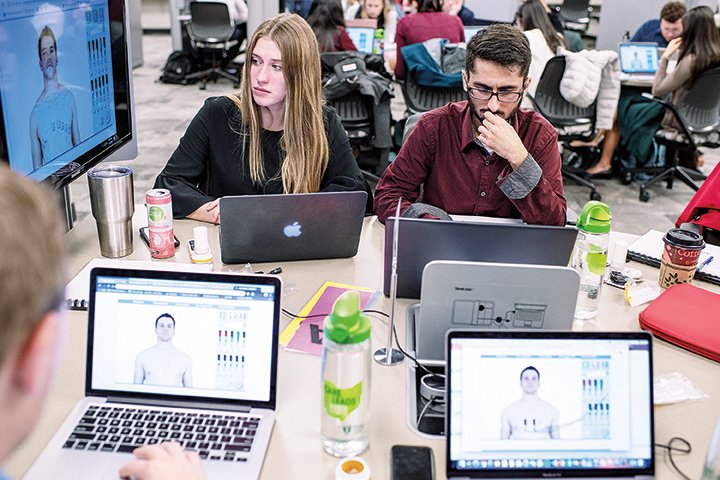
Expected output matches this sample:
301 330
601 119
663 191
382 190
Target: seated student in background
384 13
699 50
429 22
327 21
457 7
274 136
664 29
533 20
32 324
485 155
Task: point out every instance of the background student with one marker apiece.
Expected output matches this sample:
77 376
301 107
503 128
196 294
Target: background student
274 136
327 21
662 30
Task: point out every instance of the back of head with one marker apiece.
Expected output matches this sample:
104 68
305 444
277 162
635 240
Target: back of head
531 15
501 44
324 18
31 272
673 11
429 6
700 37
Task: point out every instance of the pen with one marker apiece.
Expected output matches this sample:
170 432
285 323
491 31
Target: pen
705 263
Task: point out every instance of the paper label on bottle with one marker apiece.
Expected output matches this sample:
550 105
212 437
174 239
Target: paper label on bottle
341 402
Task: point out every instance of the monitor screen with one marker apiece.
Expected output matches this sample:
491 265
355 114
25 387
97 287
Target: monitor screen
363 38
65 86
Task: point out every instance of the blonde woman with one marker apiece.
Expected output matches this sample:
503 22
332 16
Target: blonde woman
274 136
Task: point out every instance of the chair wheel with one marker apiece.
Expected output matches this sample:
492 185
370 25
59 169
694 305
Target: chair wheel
644 195
595 195
626 178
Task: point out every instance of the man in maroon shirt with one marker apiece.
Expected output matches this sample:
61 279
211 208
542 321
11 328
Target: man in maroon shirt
482 156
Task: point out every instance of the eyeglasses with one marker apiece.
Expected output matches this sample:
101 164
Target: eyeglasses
485 95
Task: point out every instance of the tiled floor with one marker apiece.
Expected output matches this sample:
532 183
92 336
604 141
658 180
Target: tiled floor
163 112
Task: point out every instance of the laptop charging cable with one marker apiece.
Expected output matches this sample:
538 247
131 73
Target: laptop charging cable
678 445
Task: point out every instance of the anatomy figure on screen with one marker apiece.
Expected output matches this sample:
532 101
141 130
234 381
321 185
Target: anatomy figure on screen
530 417
53 120
163 363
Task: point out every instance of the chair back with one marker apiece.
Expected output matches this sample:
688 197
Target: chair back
575 11
210 22
422 99
700 108
550 103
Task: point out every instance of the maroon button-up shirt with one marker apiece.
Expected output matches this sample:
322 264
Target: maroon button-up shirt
461 178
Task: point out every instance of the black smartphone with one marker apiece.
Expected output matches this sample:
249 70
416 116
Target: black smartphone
412 463
144 235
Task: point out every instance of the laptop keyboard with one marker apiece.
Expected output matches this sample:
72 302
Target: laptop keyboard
224 437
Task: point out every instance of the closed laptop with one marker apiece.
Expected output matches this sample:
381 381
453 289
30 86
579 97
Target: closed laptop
303 226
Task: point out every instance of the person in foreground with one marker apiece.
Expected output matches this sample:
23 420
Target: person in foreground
32 326
274 136
485 155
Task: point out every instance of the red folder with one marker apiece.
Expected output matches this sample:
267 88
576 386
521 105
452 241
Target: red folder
687 316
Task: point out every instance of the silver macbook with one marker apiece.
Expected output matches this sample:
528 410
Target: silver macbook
537 405
421 241
173 356
638 60
303 226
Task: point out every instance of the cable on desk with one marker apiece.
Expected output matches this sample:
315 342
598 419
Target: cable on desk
424 411
683 448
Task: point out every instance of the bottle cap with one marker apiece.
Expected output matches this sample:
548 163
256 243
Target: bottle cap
594 218
352 468
347 324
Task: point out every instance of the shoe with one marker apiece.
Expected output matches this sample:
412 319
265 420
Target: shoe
601 175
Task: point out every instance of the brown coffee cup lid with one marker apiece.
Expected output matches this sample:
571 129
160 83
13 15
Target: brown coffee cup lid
679 238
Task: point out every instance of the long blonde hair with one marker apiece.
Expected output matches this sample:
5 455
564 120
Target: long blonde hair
304 141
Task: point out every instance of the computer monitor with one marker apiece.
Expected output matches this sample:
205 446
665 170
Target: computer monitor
66 98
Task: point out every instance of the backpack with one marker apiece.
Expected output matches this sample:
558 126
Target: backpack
177 67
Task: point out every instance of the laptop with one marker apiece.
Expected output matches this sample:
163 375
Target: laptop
422 241
471 31
536 405
638 60
217 396
301 226
362 37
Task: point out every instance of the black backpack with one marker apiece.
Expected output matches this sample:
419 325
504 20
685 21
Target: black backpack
177 67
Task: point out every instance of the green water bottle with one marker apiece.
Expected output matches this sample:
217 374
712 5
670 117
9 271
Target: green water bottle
345 413
379 41
590 256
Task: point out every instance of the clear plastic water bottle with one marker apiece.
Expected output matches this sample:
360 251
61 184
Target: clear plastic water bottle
379 41
345 415
590 256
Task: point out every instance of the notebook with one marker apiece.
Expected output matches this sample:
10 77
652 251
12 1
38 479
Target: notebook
421 241
537 405
648 250
638 60
302 226
215 395
362 37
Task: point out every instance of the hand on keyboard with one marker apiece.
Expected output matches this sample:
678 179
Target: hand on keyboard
162 461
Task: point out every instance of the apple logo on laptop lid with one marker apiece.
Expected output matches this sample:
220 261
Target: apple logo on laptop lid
294 230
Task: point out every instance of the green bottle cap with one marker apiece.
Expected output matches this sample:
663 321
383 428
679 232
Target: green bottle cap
594 218
347 324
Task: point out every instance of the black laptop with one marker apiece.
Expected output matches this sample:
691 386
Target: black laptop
420 241
301 226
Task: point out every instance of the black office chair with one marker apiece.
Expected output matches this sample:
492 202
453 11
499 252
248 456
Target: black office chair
575 14
422 99
699 115
571 121
210 30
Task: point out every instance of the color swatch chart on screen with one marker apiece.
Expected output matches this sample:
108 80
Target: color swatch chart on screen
596 399
231 343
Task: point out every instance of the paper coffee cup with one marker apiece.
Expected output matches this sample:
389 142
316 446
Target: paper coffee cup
681 252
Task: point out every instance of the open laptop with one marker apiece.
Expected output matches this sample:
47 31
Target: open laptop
536 405
421 241
470 31
302 226
638 61
216 395
362 37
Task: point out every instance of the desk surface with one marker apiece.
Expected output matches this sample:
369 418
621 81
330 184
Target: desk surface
295 444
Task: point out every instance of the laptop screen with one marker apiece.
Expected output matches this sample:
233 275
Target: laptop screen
471 31
362 37
524 404
201 336
638 57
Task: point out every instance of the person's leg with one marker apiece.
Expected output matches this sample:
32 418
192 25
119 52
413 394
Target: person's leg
612 139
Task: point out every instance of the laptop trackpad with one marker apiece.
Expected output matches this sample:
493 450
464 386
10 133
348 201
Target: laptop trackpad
113 467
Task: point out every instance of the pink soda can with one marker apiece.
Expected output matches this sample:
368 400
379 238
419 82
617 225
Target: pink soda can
160 223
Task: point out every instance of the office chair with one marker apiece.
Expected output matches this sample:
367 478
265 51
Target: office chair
422 99
575 14
210 30
699 115
571 121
